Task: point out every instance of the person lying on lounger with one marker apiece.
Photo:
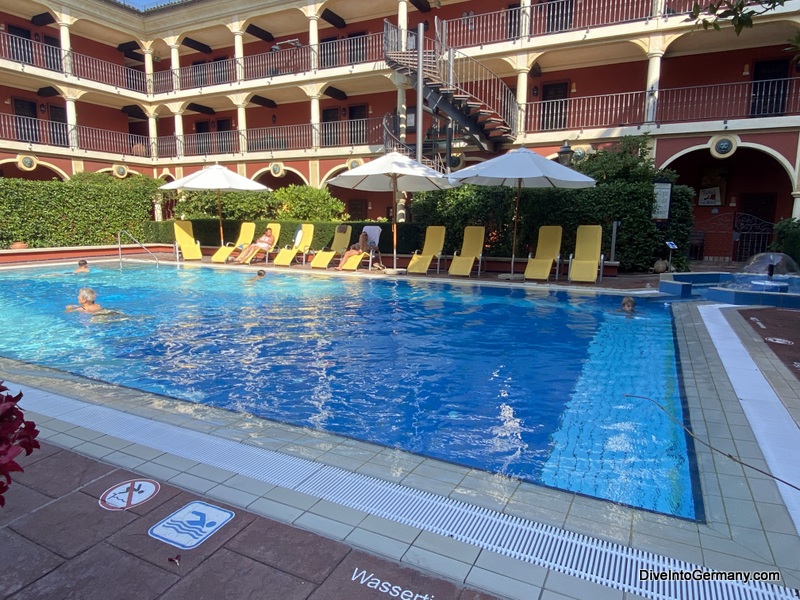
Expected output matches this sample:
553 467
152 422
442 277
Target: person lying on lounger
361 246
265 243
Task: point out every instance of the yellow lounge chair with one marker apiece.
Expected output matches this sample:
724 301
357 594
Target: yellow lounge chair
433 245
276 234
471 249
339 245
587 261
246 234
548 251
184 237
302 244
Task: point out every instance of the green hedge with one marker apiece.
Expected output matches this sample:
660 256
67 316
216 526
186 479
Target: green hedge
787 238
87 210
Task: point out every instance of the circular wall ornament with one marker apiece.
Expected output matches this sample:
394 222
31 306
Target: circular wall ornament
27 162
277 169
120 171
723 146
354 162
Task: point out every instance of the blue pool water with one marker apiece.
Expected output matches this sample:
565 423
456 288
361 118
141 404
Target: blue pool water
528 384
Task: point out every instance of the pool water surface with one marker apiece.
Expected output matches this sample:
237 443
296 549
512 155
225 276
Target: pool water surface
530 384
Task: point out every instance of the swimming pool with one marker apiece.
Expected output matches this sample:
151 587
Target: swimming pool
528 384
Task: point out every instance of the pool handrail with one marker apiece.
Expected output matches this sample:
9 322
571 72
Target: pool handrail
119 246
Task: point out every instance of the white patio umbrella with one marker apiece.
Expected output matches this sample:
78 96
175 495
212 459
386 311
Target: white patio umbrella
219 178
520 168
393 172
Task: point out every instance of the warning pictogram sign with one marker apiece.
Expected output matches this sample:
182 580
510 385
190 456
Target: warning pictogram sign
128 494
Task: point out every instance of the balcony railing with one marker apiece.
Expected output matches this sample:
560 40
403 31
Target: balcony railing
112 142
102 71
607 110
772 98
554 16
768 98
33 131
28 52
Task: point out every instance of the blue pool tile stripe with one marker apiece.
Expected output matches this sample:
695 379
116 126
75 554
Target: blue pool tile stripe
603 562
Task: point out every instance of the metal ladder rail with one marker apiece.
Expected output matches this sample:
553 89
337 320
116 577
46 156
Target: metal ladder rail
119 246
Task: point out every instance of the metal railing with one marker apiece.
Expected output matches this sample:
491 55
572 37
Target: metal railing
112 142
215 72
619 110
767 98
281 137
353 132
29 52
771 98
554 16
454 72
135 241
352 50
214 142
34 131
279 62
102 71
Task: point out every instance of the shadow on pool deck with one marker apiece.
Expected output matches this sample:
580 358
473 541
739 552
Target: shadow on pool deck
59 543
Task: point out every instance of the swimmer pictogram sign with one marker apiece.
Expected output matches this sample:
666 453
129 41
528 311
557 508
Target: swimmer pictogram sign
128 494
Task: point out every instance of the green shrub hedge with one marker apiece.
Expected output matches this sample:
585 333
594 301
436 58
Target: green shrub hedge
87 210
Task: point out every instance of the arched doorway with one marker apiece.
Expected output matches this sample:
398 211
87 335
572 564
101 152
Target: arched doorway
738 199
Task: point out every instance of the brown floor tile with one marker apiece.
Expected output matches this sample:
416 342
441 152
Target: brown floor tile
101 573
20 500
136 540
62 472
99 487
377 574
71 525
295 551
230 575
38 454
23 562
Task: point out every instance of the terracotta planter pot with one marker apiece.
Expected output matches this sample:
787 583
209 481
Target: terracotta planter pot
18 245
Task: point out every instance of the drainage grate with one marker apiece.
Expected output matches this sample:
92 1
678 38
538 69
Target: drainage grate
581 556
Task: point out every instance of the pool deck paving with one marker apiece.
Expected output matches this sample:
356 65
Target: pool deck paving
58 542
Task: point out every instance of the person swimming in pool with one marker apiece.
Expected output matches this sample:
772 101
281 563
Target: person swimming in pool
87 302
260 274
628 304
83 267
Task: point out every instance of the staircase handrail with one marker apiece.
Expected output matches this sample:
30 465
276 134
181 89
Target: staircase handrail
458 72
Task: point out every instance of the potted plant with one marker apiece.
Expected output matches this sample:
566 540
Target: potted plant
16 435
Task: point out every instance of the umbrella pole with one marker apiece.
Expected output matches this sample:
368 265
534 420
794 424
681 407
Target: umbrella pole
394 221
514 237
219 211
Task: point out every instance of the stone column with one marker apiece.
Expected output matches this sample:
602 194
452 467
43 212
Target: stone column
152 131
402 22
72 121
522 99
315 121
66 44
175 65
796 205
179 133
148 70
241 126
653 77
313 40
238 52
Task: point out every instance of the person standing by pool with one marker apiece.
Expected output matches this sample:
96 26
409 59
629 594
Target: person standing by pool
83 267
265 243
87 298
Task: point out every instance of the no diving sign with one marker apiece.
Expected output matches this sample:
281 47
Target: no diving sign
128 494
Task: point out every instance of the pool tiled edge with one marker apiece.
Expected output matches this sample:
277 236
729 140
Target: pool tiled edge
729 540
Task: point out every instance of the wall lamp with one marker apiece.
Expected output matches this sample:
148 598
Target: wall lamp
565 154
